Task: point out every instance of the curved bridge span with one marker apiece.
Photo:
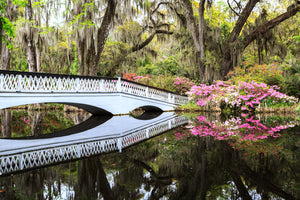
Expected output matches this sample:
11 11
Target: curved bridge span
97 95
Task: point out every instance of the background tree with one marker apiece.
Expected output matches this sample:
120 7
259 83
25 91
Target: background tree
228 50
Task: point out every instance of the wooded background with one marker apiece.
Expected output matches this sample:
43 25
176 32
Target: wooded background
202 40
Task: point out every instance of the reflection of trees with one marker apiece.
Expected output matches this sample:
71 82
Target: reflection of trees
37 123
77 117
190 168
6 123
6 184
30 185
24 123
92 180
262 173
204 167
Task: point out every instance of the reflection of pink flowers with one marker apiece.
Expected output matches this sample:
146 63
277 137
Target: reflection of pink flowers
201 118
25 120
235 128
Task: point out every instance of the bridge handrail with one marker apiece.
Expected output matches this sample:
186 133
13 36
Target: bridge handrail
15 81
42 157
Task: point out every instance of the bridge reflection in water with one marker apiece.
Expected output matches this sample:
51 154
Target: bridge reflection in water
78 142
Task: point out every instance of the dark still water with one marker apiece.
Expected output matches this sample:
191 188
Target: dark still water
58 155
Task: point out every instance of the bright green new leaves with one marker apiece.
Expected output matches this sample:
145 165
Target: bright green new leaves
7 26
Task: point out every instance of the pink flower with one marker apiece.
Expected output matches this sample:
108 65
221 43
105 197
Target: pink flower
201 118
244 108
200 103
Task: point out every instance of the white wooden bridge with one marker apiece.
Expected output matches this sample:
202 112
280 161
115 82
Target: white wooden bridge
97 95
114 135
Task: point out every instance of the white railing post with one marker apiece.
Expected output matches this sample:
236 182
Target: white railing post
119 85
78 153
147 91
169 97
102 85
170 124
147 133
21 162
77 81
119 144
1 82
59 84
19 81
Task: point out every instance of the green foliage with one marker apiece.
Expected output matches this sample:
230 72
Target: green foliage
169 66
291 80
113 51
161 81
81 20
8 27
286 76
270 74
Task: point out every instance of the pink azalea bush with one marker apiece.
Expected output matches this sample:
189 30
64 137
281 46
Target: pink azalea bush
246 96
183 84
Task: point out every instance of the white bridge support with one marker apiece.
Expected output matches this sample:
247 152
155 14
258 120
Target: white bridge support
95 94
18 155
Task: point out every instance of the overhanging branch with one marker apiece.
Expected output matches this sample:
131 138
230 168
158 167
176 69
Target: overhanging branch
242 19
269 25
149 39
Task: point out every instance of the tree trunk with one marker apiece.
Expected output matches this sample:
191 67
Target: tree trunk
30 46
80 51
201 58
1 33
37 123
103 32
242 20
38 60
5 60
232 46
6 123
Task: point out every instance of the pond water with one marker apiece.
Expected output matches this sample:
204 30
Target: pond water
60 155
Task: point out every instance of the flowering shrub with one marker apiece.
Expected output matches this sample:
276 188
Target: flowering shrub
244 96
183 84
271 73
175 84
129 76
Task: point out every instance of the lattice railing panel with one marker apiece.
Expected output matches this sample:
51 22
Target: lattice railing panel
25 82
42 157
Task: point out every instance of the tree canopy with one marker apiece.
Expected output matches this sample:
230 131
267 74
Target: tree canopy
205 38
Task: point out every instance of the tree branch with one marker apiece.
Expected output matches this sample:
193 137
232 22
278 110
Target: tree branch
191 21
269 25
242 20
158 5
149 39
228 3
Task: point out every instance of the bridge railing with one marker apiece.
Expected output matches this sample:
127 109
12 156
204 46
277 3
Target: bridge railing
47 156
13 81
